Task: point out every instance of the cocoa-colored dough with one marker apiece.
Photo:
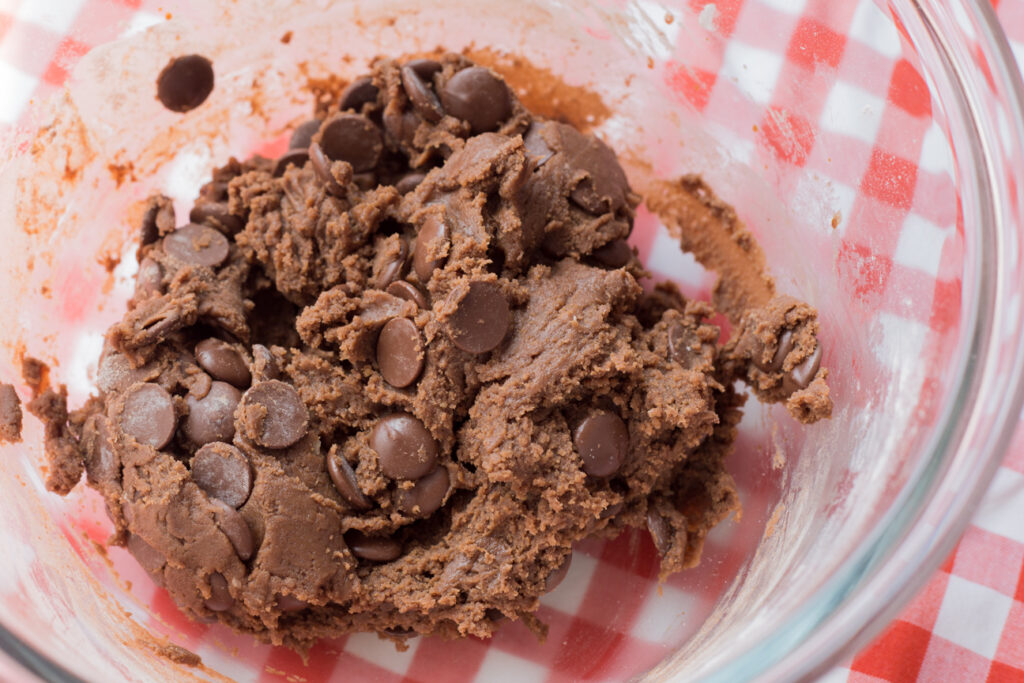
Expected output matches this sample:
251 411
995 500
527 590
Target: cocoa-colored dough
442 506
10 415
708 228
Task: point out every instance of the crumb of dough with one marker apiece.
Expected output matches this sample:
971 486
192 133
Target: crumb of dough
10 415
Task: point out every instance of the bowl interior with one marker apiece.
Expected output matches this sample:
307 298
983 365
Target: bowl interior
829 146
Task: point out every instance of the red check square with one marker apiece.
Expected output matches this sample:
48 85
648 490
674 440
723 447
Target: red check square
814 43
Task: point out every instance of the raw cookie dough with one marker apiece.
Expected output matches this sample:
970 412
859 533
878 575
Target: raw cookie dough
10 415
385 382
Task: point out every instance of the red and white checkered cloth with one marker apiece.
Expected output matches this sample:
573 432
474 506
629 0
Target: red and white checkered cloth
968 622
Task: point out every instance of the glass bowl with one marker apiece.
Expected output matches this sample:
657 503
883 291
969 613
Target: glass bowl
873 150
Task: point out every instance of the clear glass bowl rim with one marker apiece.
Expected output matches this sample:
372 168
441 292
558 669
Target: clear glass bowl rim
856 603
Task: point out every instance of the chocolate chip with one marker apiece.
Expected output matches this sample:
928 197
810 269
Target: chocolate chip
431 242
264 366
233 525
223 472
604 187
352 138
405 447
212 418
422 96
148 232
373 548
322 167
603 443
408 291
216 215
359 92
365 181
681 346
185 83
150 279
587 198
400 354
274 415
402 125
223 361
148 415
424 68
115 372
303 134
537 148
479 97
156 320
293 157
217 189
146 555
556 577
799 377
290 603
426 495
220 599
660 532
785 345
481 318
615 254
345 481
197 245
393 269
601 183
409 182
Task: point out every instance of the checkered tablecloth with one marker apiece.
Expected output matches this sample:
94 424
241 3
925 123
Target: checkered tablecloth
967 624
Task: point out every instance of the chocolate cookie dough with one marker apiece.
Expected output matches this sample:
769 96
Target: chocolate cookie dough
10 415
386 382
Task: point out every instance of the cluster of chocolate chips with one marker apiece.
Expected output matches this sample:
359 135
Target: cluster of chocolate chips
220 402
348 146
345 147
272 414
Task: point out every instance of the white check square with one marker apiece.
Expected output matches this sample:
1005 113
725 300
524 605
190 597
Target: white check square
1002 508
753 70
382 652
972 616
568 596
920 244
852 111
56 15
659 35
936 154
794 7
894 339
18 89
501 667
664 614
872 27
